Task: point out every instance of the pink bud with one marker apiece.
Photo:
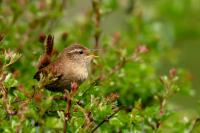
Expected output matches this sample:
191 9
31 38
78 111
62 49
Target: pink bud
142 49
172 72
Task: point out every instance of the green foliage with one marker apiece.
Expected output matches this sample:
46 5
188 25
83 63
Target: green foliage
124 93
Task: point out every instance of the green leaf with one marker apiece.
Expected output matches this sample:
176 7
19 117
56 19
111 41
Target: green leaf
52 122
10 81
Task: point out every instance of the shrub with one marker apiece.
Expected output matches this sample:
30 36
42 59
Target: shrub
126 92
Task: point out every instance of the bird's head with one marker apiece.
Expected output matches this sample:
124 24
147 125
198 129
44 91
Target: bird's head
78 54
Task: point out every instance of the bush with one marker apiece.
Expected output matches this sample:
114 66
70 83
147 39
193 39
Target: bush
125 92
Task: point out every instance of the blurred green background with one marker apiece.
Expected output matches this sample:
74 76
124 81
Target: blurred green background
183 17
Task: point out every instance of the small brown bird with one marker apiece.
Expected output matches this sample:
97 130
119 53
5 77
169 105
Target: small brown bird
72 65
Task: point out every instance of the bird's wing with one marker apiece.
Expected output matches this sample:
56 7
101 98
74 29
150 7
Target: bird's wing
44 72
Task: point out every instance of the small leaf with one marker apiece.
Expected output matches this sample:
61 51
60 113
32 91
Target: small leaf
52 122
10 81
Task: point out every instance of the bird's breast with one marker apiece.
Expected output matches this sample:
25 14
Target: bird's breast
83 75
76 73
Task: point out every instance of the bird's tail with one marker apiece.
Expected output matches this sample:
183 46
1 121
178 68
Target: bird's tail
49 45
45 59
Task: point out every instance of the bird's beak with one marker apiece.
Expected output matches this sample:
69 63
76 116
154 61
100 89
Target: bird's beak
93 56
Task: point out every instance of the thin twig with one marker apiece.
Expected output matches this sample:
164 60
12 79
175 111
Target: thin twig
68 96
65 114
89 120
55 111
28 98
195 126
105 120
96 9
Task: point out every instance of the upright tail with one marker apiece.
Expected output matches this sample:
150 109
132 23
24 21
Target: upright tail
49 45
45 59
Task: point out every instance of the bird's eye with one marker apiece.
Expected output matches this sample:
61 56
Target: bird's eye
80 52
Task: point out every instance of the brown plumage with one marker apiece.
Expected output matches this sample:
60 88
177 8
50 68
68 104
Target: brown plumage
45 59
71 66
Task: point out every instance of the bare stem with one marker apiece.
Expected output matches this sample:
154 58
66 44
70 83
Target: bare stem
68 97
105 120
96 9
66 117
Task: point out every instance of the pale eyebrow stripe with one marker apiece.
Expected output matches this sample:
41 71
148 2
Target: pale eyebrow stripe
75 50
